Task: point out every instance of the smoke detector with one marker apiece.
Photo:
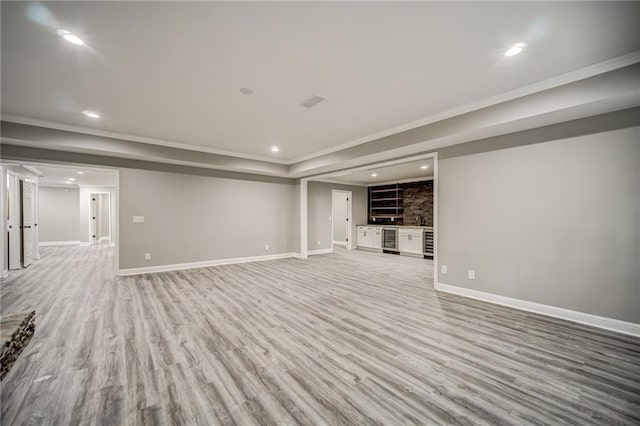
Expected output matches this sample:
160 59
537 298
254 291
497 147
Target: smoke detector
312 101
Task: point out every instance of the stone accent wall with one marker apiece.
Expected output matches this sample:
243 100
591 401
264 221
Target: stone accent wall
15 333
418 201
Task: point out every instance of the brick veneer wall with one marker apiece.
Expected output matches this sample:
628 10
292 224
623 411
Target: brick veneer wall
418 201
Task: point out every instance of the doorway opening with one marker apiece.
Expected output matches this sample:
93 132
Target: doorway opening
386 221
48 204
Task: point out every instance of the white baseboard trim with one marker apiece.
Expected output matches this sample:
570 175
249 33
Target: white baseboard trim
340 243
112 244
203 264
85 243
5 273
103 239
321 251
612 324
58 243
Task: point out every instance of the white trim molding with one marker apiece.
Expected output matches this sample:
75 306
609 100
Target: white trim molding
320 251
203 264
612 324
340 243
58 243
5 273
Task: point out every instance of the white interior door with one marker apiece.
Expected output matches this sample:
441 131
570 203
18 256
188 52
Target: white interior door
341 226
28 222
349 221
36 219
104 218
13 221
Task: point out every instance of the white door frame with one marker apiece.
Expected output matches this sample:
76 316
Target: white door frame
336 176
349 216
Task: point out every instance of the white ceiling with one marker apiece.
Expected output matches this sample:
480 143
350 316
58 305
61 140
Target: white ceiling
57 175
388 174
173 70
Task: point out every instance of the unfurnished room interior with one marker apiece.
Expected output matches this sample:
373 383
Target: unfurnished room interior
320 213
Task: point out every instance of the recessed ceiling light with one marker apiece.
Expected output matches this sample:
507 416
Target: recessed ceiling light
275 149
91 114
80 173
246 91
515 49
424 167
70 37
71 179
374 174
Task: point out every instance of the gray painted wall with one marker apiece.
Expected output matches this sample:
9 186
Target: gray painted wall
319 211
190 218
59 214
556 223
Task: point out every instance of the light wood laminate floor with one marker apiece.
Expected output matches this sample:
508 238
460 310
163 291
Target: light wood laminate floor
347 338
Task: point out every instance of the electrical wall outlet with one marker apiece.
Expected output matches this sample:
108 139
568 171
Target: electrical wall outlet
471 274
443 269
266 246
319 242
147 256
138 219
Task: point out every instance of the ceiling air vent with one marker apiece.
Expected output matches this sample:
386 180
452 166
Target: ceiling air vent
312 101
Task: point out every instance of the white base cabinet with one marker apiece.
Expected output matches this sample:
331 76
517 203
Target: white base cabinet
369 237
410 241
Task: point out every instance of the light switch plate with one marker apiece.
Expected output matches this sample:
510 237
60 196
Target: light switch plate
147 256
471 274
138 219
443 269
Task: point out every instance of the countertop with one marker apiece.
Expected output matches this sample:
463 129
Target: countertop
430 228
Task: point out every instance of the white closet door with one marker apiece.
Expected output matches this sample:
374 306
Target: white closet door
28 221
94 218
13 222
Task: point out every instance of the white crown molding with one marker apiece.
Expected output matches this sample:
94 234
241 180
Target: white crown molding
570 77
203 264
337 182
53 185
39 145
612 324
58 243
391 182
128 137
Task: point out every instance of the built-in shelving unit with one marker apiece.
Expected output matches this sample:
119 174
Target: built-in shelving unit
386 202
